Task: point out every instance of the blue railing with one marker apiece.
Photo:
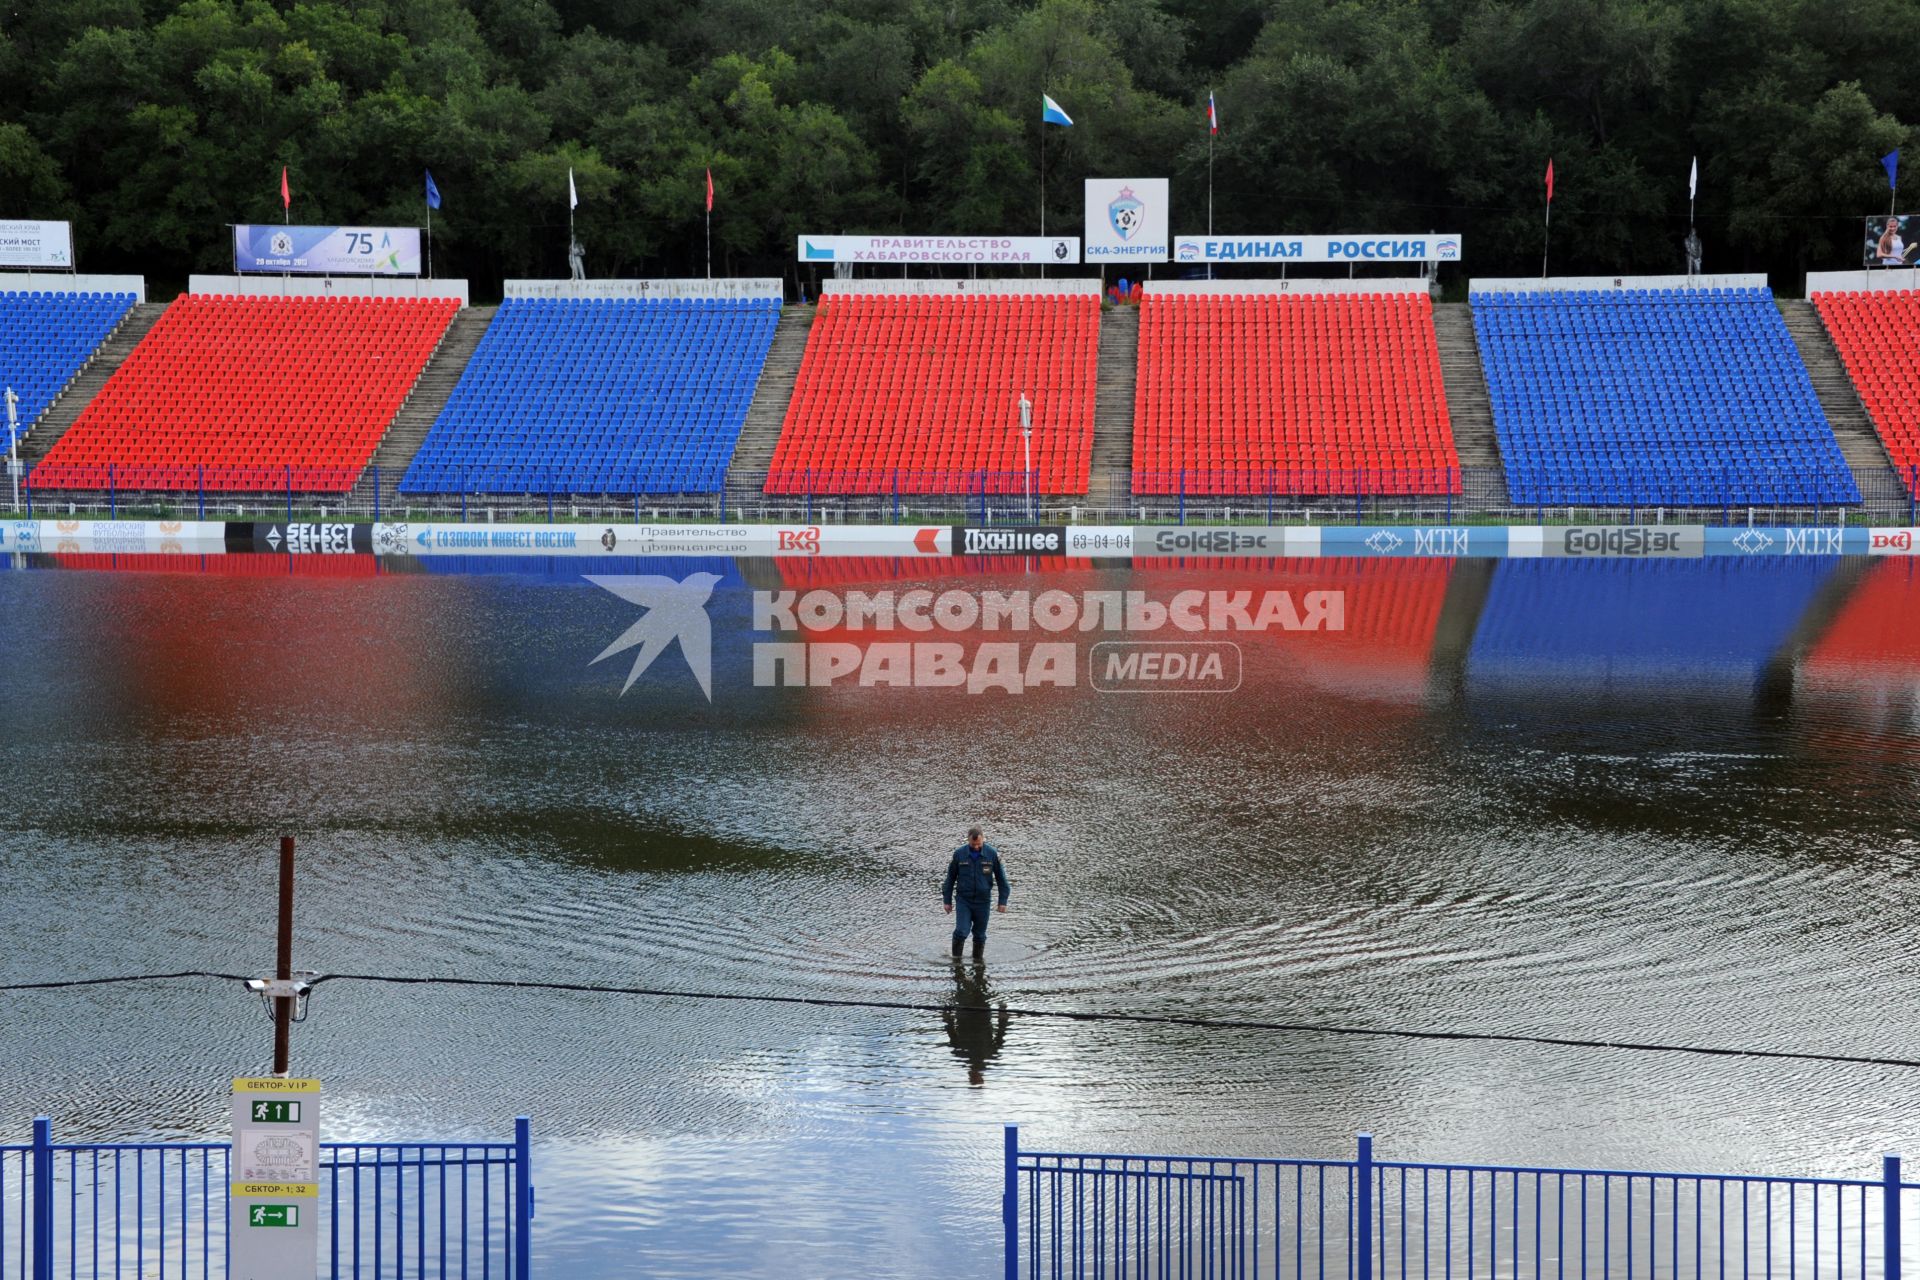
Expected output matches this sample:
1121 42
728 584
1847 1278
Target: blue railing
160 1209
1150 1217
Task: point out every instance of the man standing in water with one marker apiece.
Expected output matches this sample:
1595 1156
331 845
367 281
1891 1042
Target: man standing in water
971 876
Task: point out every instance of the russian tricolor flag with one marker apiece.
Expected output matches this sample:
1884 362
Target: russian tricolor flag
1213 114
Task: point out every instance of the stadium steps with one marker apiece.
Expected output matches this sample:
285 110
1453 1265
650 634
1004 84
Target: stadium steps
1859 443
409 428
1118 373
67 406
747 473
1468 407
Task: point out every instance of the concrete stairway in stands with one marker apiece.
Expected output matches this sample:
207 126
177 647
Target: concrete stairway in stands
747 473
429 396
1859 442
93 375
1111 479
1468 407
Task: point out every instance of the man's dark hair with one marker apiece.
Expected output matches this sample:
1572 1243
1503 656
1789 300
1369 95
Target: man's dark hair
973 833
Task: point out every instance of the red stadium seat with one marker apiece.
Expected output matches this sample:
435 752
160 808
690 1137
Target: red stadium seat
920 394
1876 334
249 394
1302 393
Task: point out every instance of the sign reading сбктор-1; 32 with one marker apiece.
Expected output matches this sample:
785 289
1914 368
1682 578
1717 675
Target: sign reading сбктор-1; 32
273 1231
1433 246
936 250
326 251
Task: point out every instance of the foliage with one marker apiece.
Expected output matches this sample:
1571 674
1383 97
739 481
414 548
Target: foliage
154 124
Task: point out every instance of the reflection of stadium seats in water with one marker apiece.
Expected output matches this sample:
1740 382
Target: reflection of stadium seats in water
1390 610
1569 627
1866 665
976 1026
241 565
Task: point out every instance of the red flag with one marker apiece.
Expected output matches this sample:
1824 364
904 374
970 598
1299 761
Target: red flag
709 191
1549 179
286 193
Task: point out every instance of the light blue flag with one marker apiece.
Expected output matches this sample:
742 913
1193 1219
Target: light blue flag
1050 112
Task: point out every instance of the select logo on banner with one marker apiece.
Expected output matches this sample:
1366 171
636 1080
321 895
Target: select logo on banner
1010 540
1431 247
334 251
1127 220
300 538
953 250
1636 541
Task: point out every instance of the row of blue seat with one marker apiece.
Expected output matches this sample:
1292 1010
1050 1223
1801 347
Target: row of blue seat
46 338
600 395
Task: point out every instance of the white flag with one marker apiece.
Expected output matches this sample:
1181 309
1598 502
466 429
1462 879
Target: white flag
1693 178
573 197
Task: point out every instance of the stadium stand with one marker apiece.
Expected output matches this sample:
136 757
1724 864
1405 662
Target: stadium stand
46 338
919 393
248 394
1322 393
601 396
1876 334
1654 396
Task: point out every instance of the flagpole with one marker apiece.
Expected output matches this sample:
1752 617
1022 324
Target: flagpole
1546 239
1043 190
429 242
1210 130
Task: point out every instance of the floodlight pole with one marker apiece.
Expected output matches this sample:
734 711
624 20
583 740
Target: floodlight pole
283 963
1026 436
13 444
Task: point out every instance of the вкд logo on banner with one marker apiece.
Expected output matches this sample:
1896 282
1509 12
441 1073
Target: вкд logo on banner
1127 220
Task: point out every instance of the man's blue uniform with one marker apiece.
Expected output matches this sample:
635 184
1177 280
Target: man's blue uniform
972 875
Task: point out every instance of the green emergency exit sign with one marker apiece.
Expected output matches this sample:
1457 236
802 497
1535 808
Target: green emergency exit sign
273 1215
275 1111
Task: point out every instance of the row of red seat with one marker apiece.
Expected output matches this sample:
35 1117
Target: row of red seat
252 389
916 392
1333 386
1877 335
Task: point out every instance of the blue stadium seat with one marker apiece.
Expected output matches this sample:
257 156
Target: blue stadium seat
1655 396
600 396
45 339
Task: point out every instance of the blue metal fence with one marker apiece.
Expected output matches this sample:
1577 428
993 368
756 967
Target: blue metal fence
159 1209
1201 1218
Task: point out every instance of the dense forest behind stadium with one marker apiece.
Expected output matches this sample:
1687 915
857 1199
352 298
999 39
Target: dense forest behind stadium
152 125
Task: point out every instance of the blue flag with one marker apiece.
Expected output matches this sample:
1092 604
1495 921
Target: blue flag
1050 112
433 192
1891 163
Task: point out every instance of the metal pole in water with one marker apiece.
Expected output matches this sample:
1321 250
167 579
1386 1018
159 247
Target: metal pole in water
1890 1216
283 962
1010 1203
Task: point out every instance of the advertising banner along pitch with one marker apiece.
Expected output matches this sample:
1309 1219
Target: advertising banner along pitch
941 250
37 246
327 251
1127 220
